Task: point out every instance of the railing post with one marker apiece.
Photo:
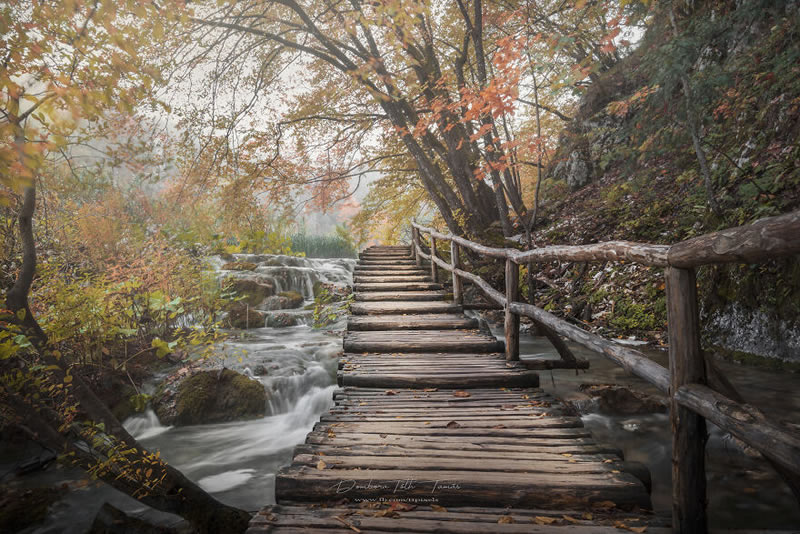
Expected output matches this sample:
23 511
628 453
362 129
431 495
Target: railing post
455 262
413 248
434 271
415 236
512 319
688 428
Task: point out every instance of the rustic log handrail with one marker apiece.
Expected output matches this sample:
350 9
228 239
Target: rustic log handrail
692 401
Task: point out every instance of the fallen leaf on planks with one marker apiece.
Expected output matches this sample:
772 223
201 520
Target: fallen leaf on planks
462 394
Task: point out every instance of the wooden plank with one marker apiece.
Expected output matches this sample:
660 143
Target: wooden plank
455 262
395 286
383 279
440 380
411 322
772 237
511 325
453 487
400 295
688 428
385 267
420 341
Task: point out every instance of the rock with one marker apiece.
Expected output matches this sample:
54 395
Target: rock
295 299
278 320
210 397
287 300
111 520
239 266
576 171
252 289
620 400
240 315
260 370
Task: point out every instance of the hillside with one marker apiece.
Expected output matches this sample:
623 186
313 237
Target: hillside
626 169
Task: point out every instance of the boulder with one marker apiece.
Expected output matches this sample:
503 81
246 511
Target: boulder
295 299
210 397
253 290
575 170
286 300
239 266
21 508
241 315
279 320
621 400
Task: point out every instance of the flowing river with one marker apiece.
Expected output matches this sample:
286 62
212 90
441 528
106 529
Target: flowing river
237 461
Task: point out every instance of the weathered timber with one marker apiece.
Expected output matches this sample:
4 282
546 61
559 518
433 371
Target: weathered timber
440 380
301 483
380 279
384 308
746 422
433 295
769 238
688 428
433 257
420 341
511 318
543 364
455 263
385 267
449 321
631 360
422 519
395 286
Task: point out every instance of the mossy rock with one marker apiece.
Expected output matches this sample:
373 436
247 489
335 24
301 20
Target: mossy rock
239 266
295 299
241 315
280 320
253 290
212 397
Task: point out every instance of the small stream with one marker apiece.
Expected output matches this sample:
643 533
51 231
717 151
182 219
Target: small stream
237 462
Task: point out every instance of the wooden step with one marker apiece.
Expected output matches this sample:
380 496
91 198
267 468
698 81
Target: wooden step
400 295
409 307
449 321
396 286
379 279
403 275
388 267
422 518
469 341
385 262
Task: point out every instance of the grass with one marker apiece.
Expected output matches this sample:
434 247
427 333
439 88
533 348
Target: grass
323 246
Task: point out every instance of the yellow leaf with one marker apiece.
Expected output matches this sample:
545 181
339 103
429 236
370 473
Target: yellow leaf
542 520
321 465
505 519
437 508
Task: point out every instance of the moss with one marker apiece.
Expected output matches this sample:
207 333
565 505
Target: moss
239 266
215 396
295 299
630 315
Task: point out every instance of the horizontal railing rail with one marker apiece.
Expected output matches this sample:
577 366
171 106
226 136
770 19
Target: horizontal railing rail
686 381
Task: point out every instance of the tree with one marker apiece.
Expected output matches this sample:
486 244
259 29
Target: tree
66 65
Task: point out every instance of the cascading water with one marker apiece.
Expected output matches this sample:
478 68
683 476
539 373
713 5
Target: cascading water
237 461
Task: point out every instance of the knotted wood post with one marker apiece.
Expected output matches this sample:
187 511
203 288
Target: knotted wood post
415 238
512 319
413 243
455 262
434 271
689 436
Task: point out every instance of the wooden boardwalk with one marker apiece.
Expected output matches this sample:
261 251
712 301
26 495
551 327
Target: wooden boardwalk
434 431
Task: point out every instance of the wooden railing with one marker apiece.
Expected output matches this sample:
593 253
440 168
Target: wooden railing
696 392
